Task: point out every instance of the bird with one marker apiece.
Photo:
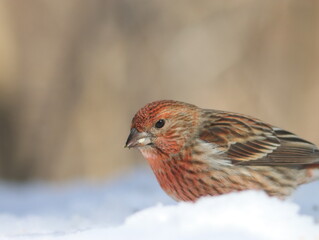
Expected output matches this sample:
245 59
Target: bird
196 152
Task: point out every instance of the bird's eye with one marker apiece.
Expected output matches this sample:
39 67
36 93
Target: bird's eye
160 123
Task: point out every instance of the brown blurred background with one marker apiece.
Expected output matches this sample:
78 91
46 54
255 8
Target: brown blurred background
73 73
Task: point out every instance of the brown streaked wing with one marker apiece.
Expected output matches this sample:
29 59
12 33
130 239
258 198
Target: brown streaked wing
293 150
248 141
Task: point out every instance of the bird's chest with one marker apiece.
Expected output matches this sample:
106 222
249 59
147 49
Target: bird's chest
176 180
179 176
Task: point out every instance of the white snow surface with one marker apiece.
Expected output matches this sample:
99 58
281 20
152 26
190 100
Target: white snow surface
134 207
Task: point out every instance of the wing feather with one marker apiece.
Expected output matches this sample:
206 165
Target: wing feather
249 141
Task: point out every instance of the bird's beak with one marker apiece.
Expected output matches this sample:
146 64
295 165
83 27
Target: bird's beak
137 139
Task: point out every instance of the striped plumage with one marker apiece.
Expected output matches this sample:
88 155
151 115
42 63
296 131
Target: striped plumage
196 152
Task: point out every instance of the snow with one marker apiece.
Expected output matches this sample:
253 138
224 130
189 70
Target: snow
134 207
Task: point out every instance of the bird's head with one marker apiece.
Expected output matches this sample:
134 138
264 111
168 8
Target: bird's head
164 125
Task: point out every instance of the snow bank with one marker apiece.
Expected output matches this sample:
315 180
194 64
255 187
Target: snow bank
136 208
247 215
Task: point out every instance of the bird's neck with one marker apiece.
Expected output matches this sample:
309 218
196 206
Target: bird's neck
155 157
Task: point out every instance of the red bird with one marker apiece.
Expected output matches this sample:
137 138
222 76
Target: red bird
196 152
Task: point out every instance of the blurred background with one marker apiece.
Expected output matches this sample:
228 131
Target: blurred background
73 73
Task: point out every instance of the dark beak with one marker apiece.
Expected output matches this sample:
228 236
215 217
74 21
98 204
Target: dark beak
137 139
